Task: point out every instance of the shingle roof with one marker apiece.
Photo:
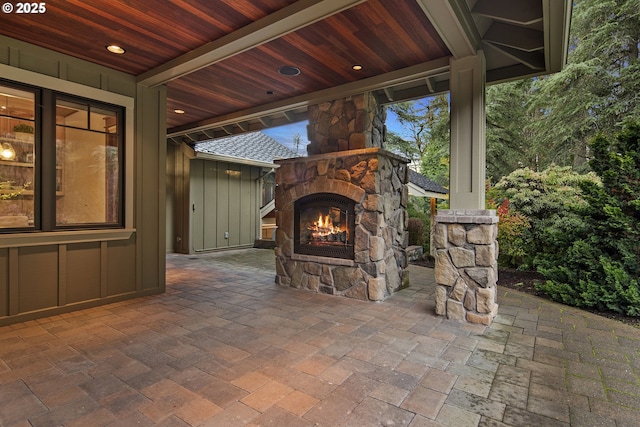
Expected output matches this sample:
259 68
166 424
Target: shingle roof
425 183
251 146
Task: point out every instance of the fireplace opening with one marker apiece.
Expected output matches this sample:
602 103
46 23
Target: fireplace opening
324 225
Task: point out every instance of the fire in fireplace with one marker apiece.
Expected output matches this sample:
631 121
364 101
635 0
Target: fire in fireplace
324 225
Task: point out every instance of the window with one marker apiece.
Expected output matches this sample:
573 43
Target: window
62 170
87 164
17 157
268 188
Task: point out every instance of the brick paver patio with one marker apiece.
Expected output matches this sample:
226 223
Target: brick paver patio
225 346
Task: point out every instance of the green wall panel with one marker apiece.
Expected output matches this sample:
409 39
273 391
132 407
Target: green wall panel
82 272
4 282
121 267
37 278
210 204
225 198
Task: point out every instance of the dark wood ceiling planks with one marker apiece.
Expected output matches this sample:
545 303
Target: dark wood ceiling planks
380 35
235 72
152 32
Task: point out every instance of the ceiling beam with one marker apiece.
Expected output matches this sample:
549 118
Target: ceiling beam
521 12
284 21
414 73
514 36
455 25
208 133
429 84
533 60
266 121
388 92
290 116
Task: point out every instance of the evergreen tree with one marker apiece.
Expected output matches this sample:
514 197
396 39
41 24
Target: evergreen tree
427 122
601 268
551 120
297 139
508 136
597 89
401 146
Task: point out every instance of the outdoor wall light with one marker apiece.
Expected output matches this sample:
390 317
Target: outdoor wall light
7 152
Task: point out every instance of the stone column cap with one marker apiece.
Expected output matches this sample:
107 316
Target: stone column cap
467 216
341 154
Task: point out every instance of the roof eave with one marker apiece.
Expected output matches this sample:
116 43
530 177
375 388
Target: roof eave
417 191
237 160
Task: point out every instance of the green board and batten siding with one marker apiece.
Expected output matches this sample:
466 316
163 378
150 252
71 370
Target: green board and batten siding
43 274
223 199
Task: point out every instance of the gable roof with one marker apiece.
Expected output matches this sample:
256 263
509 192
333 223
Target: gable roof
420 185
254 146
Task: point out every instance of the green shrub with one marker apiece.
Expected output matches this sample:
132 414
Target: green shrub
545 209
417 232
511 240
420 208
601 268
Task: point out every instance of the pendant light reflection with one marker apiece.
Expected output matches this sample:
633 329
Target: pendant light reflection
7 152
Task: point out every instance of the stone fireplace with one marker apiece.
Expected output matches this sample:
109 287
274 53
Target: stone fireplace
341 211
324 225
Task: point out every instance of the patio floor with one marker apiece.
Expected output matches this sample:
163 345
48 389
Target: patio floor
225 346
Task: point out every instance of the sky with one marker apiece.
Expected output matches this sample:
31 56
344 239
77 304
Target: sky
285 134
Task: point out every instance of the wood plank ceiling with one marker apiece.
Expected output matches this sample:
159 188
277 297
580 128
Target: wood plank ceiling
220 59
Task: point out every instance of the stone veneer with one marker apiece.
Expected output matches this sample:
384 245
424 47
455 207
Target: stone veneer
466 267
376 180
345 124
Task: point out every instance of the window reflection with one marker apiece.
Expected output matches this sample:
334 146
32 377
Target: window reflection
88 165
17 157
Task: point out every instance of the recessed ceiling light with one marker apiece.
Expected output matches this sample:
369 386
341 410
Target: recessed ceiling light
289 70
269 92
357 67
178 111
115 49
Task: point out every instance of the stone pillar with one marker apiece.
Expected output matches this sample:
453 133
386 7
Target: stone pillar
468 142
466 267
465 237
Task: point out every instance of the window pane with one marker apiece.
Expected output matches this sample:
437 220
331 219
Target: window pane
72 114
87 170
17 158
103 120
